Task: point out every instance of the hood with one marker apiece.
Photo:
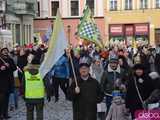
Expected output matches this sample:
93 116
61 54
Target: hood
32 69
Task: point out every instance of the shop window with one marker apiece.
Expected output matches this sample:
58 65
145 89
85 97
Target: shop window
90 4
157 36
143 4
128 4
113 5
54 7
75 8
157 3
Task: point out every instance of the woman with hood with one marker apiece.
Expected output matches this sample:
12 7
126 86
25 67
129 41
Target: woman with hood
139 88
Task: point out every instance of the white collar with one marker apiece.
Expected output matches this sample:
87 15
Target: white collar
111 70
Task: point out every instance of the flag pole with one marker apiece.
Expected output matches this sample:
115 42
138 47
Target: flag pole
6 63
70 57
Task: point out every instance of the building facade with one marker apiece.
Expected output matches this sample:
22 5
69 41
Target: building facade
71 11
18 17
128 20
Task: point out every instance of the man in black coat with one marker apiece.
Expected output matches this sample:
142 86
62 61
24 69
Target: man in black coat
7 67
86 96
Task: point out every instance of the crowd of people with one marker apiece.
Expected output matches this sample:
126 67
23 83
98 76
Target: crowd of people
121 80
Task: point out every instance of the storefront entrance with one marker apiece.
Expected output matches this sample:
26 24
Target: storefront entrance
127 33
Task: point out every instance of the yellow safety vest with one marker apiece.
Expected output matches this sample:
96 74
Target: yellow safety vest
34 86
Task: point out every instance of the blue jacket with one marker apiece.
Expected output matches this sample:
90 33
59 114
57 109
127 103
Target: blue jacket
61 68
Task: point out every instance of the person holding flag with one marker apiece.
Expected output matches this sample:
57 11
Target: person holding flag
85 94
55 57
60 75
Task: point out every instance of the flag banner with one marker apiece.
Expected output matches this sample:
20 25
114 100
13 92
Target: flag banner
37 35
88 30
47 35
57 44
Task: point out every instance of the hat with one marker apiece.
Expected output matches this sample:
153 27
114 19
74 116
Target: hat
84 64
138 66
5 48
113 58
97 58
31 66
85 59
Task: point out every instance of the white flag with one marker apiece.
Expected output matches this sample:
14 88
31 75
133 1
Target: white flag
57 45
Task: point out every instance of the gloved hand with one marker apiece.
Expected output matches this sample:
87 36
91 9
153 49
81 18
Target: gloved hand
145 105
48 98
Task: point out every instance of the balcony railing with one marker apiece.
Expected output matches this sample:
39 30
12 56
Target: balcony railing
22 6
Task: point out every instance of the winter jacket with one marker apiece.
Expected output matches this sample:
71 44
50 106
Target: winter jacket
109 79
85 103
34 70
6 76
118 110
145 86
61 68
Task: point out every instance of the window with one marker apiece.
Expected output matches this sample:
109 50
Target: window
113 5
18 32
128 4
90 3
74 8
54 7
157 3
38 7
144 4
2 6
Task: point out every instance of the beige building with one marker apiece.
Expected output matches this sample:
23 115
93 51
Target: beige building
126 20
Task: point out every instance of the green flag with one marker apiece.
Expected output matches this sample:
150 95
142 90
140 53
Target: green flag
87 29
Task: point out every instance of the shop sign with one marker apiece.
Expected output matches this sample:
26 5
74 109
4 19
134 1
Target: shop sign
116 30
129 31
141 29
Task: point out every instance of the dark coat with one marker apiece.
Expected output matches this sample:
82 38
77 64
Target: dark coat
22 61
157 63
85 103
109 77
132 99
155 95
6 76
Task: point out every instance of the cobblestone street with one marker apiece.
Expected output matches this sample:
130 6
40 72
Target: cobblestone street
62 110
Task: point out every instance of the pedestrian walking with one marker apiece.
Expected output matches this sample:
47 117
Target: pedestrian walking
60 76
86 96
96 71
34 91
112 79
139 88
7 67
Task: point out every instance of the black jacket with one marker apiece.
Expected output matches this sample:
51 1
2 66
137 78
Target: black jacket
145 88
85 103
6 76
